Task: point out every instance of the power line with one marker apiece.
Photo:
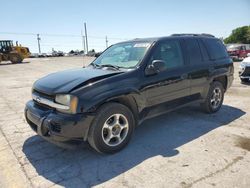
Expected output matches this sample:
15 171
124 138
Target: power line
61 35
13 33
69 40
44 34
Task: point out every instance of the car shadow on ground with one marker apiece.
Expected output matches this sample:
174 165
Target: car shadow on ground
9 63
246 83
158 136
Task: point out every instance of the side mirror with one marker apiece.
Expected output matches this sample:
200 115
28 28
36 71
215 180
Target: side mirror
156 67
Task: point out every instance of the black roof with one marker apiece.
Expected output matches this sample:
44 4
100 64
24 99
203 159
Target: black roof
184 35
194 35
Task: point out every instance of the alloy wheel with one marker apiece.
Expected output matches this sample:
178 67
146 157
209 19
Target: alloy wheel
216 98
115 129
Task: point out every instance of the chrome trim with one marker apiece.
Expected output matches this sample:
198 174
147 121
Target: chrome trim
50 103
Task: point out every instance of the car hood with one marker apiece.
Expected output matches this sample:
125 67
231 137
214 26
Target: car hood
66 81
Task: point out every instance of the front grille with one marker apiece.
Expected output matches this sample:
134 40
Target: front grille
246 72
43 95
43 107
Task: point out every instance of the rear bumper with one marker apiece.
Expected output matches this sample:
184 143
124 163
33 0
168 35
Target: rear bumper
55 126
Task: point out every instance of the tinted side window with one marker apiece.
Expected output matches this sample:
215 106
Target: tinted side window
170 52
216 49
203 51
194 52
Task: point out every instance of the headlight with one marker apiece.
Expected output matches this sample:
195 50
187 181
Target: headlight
242 65
67 100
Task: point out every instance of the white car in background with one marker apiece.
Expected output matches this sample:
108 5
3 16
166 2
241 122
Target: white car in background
244 72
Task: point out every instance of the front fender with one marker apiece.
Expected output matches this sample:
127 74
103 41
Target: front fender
103 97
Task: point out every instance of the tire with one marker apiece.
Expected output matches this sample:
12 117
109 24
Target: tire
214 98
112 128
15 58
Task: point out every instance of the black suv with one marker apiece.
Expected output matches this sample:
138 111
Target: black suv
128 83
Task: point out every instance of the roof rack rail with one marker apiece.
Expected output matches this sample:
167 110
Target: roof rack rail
193 34
206 34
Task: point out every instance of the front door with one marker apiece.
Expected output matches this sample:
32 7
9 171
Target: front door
173 83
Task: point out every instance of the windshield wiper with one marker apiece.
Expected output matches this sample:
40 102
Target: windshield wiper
95 65
109 65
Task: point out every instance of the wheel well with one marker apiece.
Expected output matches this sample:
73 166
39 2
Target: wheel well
129 102
223 80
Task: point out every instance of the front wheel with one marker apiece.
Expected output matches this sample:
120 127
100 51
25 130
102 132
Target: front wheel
214 98
112 128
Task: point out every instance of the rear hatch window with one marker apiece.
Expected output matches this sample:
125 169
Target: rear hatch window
215 48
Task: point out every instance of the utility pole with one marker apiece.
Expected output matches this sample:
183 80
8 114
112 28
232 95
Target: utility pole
83 43
86 35
107 42
38 41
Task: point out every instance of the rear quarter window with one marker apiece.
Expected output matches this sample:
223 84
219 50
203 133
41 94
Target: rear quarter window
215 48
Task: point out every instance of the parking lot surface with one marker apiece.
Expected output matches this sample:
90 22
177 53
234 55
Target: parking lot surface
184 148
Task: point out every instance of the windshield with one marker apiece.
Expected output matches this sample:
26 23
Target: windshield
125 55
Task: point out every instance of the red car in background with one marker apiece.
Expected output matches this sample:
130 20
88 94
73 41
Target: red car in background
238 51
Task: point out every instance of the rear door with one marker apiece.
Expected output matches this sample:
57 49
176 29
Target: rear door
220 62
199 66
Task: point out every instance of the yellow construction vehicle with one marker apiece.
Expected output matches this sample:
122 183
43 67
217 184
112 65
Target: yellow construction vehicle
9 52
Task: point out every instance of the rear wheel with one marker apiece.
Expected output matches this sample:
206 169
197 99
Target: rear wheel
15 58
214 98
112 128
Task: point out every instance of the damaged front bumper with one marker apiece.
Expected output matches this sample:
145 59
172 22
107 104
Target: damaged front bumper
56 126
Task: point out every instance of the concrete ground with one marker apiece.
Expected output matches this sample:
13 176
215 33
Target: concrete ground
185 148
